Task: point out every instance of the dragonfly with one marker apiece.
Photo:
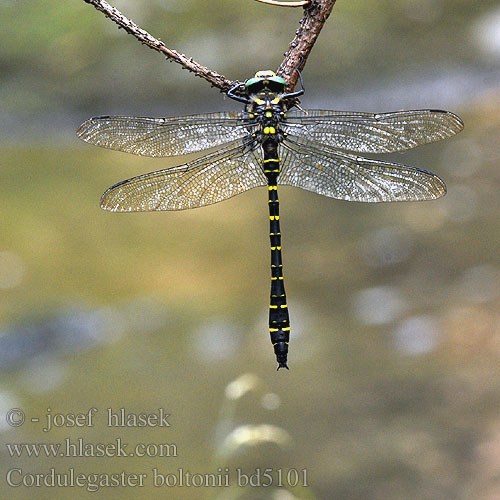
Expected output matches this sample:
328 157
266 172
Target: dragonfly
269 143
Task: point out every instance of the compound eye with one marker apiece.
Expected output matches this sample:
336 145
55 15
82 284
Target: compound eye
255 87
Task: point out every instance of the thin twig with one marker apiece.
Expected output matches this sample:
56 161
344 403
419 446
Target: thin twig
219 81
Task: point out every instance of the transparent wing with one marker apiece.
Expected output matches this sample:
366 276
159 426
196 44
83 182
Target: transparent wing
210 179
160 137
347 177
373 133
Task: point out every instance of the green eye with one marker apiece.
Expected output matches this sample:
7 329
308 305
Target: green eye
276 83
278 79
252 81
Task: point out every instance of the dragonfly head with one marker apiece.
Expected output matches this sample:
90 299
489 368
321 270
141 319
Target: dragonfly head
265 80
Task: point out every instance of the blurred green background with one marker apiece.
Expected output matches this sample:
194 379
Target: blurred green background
394 387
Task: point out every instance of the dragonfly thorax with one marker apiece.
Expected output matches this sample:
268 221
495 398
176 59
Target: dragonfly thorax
266 105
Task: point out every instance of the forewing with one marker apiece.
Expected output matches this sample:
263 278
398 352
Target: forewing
373 133
347 177
160 137
210 179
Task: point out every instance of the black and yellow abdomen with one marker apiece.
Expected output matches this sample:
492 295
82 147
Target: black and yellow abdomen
279 322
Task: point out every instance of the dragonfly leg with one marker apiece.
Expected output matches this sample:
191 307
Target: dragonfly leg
232 95
302 90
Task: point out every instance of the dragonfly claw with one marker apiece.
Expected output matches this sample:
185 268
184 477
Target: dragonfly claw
282 364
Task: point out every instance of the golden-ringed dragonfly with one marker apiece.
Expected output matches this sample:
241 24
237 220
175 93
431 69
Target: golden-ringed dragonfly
269 145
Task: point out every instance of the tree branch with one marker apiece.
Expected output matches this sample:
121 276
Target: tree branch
315 16
216 80
316 13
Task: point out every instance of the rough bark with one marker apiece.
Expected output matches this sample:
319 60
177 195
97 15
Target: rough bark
315 16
